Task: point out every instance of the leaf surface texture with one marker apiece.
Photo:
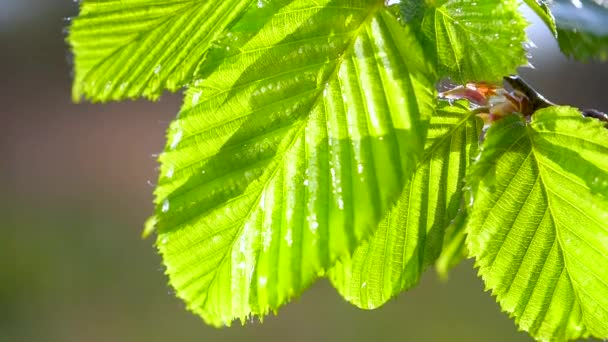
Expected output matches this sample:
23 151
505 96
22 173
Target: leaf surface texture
470 40
134 48
411 235
288 151
538 227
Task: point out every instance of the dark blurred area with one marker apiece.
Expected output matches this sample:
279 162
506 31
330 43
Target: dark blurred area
76 184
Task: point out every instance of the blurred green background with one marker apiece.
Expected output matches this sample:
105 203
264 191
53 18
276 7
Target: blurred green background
76 185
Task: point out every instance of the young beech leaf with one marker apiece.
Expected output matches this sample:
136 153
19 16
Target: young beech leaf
410 236
471 40
541 8
583 46
133 48
580 26
289 151
538 227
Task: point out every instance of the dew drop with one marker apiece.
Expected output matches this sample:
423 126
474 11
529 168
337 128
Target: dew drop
263 200
165 207
288 238
176 139
360 168
314 225
170 173
195 98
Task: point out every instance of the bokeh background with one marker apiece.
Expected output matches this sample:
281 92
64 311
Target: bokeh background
76 185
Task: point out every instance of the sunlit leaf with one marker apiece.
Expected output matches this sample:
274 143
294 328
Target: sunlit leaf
472 40
411 235
454 248
538 227
289 151
133 48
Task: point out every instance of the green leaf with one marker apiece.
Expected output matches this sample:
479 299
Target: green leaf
454 249
541 8
538 227
582 29
410 236
133 48
580 26
583 46
287 154
471 40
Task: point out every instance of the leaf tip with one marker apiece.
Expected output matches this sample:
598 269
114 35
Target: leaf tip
149 227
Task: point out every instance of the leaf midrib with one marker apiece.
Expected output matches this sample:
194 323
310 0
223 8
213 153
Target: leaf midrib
449 134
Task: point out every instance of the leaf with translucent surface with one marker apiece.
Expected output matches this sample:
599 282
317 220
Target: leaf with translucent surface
538 227
288 152
471 40
411 235
454 249
134 48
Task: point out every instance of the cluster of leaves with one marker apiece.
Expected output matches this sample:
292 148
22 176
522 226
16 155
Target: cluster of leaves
311 143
